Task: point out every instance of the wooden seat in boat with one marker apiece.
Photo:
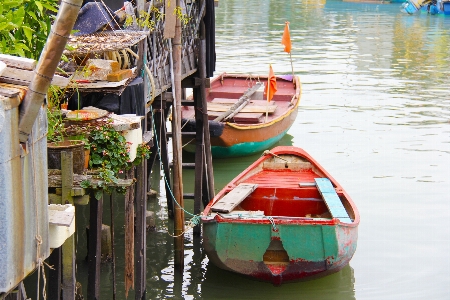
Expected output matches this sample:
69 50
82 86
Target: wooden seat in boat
332 200
228 202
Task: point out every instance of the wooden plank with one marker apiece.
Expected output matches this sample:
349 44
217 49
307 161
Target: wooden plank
94 255
60 217
233 198
18 62
27 75
250 103
253 108
240 117
332 199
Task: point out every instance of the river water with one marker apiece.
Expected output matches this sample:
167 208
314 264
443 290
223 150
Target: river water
375 112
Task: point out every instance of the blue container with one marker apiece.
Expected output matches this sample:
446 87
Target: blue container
446 7
409 7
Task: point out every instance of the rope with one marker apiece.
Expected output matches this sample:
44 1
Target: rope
195 220
267 152
152 82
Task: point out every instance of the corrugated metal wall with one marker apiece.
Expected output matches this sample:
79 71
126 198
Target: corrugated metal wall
23 197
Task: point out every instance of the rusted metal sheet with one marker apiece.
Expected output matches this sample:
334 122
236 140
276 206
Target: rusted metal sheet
23 200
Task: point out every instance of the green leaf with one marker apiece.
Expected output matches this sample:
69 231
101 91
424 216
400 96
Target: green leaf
98 194
32 15
28 33
50 7
39 6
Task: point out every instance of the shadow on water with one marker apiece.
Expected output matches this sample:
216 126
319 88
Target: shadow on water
220 284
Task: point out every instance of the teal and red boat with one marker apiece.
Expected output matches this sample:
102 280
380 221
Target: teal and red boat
282 219
241 121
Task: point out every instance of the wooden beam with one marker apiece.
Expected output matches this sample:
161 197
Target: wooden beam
94 258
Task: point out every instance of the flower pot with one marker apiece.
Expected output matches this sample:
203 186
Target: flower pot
54 150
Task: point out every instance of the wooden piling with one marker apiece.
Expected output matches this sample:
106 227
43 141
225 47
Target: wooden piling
177 155
68 248
161 136
129 235
199 157
141 226
208 174
94 258
54 275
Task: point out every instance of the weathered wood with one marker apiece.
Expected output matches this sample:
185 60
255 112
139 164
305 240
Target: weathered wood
68 269
241 117
208 186
161 136
8 93
129 235
141 226
61 218
241 100
26 75
233 198
18 62
245 109
332 199
231 101
113 254
54 275
170 19
66 177
54 180
94 258
199 159
177 148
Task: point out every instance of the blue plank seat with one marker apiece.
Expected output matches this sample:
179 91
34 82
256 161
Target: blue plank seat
332 200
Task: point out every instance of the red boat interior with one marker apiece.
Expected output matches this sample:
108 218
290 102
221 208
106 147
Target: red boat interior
224 93
288 190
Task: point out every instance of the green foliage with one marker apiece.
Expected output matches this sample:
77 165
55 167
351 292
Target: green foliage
109 154
142 152
25 26
55 132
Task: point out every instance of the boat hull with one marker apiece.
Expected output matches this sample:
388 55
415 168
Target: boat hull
314 250
232 139
283 219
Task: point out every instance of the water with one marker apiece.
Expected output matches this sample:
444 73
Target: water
375 112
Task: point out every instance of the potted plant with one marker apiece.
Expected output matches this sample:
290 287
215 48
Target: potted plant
109 156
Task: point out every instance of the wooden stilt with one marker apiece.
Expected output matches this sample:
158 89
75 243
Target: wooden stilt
177 155
199 157
95 231
141 225
54 275
207 140
129 235
113 255
68 268
68 248
160 122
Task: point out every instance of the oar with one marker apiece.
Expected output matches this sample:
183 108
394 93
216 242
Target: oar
241 100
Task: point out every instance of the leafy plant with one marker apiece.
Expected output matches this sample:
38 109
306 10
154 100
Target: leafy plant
25 26
109 154
142 152
56 129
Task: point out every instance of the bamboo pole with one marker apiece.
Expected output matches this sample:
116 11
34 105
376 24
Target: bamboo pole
48 62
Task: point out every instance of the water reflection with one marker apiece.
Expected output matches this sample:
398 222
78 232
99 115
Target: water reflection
220 284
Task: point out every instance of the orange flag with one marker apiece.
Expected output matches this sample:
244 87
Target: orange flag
286 39
271 87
